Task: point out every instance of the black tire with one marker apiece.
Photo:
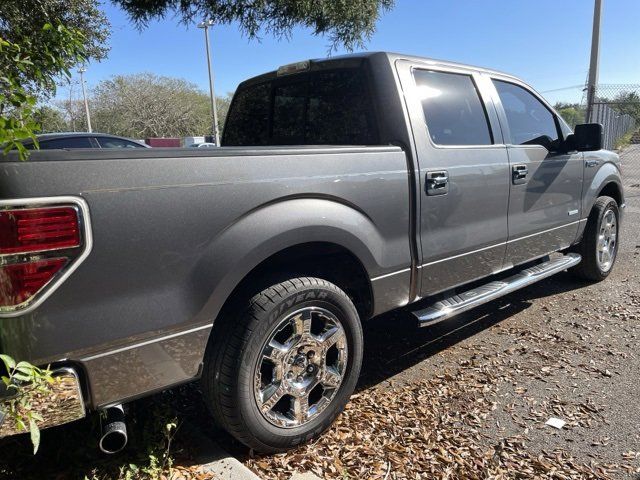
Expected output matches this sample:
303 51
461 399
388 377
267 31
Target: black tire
231 361
590 268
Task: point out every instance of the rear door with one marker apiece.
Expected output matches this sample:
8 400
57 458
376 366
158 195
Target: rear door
464 173
546 186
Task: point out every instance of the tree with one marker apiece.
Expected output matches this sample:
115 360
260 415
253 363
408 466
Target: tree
147 105
22 23
49 119
32 64
345 22
573 113
629 103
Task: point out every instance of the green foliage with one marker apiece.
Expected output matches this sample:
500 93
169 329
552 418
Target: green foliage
147 105
49 119
573 113
33 61
26 381
52 51
346 23
628 103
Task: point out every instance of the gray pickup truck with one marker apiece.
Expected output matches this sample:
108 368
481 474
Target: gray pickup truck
345 188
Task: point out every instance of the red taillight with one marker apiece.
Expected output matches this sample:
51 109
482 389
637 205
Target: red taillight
21 281
38 229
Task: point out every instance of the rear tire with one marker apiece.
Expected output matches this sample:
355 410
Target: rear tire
284 364
599 244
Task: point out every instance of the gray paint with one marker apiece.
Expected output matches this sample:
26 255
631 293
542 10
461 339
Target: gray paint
176 230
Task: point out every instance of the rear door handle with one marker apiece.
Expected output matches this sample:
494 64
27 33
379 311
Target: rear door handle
437 182
519 174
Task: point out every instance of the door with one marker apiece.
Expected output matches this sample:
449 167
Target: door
546 186
464 173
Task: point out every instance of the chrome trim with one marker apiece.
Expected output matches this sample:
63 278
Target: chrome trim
501 244
462 302
573 212
62 405
463 254
398 272
145 343
84 221
543 231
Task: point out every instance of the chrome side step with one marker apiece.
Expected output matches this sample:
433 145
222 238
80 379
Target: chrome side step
462 302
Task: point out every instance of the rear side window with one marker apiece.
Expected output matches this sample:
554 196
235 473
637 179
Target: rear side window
452 107
71 142
319 108
527 116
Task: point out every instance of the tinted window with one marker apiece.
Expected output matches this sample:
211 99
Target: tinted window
452 109
71 142
527 116
321 108
339 110
108 142
289 102
248 121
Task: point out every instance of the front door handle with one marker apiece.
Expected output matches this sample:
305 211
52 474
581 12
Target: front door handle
519 174
437 182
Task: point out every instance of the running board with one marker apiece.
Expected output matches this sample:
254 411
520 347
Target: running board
462 302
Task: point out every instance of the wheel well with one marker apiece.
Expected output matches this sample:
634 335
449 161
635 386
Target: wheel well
328 261
612 190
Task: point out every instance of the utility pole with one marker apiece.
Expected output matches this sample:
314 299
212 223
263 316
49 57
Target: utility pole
84 94
594 64
214 110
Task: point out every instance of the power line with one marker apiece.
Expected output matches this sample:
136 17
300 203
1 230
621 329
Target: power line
572 87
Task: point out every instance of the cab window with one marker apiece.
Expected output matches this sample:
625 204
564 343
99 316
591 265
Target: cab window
528 118
453 110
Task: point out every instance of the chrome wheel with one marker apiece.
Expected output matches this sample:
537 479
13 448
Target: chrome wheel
301 367
607 241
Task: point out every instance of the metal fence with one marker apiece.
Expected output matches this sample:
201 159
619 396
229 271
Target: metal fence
617 108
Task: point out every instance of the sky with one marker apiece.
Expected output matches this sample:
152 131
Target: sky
545 42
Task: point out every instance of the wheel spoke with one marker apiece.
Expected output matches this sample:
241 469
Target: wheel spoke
301 408
275 352
331 378
331 337
302 324
271 395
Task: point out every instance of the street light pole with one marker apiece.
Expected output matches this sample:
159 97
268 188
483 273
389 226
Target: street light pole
595 60
84 94
214 110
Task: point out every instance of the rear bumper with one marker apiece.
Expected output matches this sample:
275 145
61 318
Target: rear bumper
63 404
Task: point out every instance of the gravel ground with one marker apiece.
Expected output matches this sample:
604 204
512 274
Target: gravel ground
469 398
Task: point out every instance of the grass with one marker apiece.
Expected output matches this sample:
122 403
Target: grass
625 140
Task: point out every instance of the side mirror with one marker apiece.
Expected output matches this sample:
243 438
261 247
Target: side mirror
587 137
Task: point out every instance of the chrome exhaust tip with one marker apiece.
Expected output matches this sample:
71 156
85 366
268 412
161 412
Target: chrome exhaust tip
114 430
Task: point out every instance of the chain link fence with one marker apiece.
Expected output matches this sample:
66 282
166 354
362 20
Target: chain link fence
617 108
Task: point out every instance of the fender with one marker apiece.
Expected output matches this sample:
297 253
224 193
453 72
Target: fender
607 173
273 227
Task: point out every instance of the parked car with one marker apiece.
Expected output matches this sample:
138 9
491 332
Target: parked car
357 185
203 145
48 141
